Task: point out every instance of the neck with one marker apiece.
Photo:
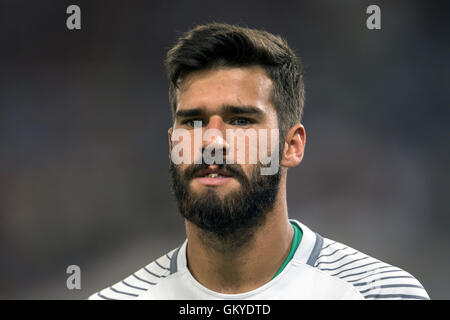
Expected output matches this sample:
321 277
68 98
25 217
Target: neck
227 267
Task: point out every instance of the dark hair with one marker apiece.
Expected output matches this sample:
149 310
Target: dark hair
216 44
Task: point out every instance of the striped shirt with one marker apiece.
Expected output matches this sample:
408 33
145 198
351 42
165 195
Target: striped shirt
320 269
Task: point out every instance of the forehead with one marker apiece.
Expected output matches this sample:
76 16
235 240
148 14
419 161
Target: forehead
216 87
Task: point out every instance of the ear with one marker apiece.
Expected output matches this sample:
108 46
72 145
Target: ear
169 134
294 146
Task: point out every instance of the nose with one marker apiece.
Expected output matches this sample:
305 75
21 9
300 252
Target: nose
214 140
216 122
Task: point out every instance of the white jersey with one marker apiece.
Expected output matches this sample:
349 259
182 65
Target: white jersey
320 269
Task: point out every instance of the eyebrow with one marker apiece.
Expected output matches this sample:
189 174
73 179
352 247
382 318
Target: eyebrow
189 113
225 109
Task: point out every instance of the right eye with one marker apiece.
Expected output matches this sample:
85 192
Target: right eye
191 122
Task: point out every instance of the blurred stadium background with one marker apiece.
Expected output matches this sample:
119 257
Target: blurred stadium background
83 134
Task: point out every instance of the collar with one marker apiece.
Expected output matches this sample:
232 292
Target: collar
307 252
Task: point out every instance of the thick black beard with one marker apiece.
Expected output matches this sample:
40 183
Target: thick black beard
227 222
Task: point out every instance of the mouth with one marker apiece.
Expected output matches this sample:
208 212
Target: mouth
213 177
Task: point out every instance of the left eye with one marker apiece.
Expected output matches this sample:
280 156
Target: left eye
241 122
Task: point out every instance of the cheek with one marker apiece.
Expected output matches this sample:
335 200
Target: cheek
186 146
180 171
245 150
249 170
255 146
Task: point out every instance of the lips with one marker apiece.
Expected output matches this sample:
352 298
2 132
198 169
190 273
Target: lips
213 173
213 176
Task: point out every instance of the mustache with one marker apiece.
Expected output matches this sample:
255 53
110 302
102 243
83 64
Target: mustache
234 169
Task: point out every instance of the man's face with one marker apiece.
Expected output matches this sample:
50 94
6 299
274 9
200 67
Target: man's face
224 198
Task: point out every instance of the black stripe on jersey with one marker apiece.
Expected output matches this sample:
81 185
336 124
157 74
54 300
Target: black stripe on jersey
392 286
365 272
134 275
153 274
380 279
329 245
330 262
131 286
122 292
315 251
104 297
159 265
174 261
400 296
345 264
329 255
364 265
